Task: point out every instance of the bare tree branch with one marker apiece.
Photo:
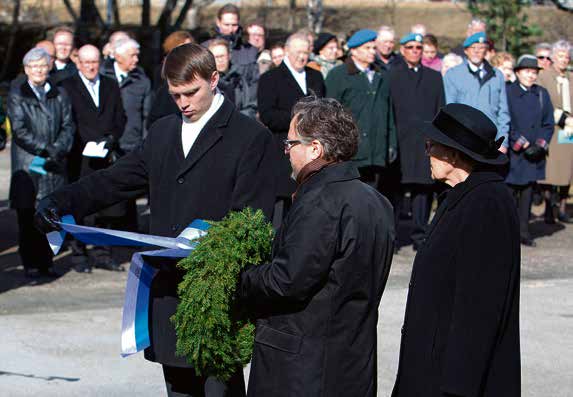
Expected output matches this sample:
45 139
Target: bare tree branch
71 10
12 39
183 14
145 12
165 17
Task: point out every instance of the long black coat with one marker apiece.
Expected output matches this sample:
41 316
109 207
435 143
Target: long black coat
318 298
35 126
416 96
461 328
92 122
277 93
228 168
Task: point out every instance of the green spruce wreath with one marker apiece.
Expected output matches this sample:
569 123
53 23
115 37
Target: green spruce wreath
213 332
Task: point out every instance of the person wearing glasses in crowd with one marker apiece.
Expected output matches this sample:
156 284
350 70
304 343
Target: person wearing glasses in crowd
417 93
326 53
476 83
42 129
529 136
318 297
543 54
460 335
558 81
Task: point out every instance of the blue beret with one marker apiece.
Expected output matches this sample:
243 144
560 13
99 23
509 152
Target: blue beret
361 37
411 37
478 37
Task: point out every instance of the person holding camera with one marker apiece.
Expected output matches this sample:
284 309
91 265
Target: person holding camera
529 136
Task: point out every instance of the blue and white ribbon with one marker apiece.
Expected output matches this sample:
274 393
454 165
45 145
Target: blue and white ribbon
135 323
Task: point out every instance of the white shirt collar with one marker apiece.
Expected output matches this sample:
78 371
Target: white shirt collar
60 65
119 72
300 77
191 129
475 68
47 88
94 93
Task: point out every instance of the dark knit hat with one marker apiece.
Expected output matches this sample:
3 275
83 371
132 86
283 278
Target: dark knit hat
322 40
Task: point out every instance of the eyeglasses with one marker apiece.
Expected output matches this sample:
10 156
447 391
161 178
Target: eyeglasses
543 58
37 67
289 143
413 47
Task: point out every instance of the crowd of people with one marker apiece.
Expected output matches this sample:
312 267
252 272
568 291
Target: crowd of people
311 132
68 97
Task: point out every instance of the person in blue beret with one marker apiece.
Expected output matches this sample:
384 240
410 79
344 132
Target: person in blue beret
476 83
361 86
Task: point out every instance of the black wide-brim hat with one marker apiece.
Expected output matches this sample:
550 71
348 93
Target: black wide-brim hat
468 130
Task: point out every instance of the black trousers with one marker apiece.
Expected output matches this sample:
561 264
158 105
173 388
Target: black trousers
184 382
421 199
33 246
523 195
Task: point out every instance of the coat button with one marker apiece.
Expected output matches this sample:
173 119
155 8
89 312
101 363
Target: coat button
174 227
402 330
180 181
411 285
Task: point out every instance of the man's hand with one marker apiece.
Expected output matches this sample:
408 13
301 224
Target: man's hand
46 218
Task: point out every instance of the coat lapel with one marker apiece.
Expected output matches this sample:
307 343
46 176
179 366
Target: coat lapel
104 91
83 90
208 137
290 80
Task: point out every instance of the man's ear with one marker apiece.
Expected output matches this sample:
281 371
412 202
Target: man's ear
317 149
214 80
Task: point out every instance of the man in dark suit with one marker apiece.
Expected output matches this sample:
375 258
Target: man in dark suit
199 163
279 89
99 116
417 95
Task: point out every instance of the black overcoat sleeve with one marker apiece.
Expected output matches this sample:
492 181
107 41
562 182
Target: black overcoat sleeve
255 184
302 262
277 119
126 179
119 117
487 269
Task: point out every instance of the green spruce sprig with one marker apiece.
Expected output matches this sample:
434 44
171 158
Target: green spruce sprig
213 332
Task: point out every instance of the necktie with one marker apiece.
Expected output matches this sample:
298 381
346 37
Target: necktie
41 93
122 77
94 93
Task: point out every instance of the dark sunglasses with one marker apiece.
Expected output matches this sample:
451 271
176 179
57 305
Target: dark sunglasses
289 143
542 57
413 47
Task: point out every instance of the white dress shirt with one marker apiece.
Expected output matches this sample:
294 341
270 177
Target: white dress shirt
92 87
190 129
367 71
300 77
60 65
479 69
120 75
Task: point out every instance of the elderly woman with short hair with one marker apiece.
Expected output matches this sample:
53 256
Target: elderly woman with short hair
559 171
461 329
42 133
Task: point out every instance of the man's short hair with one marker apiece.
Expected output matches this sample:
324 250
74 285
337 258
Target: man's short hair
386 29
296 36
228 9
63 29
542 46
256 22
219 42
121 46
326 120
560 45
175 39
36 54
187 62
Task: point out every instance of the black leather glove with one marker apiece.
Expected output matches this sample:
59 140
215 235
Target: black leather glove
110 142
47 216
55 167
534 153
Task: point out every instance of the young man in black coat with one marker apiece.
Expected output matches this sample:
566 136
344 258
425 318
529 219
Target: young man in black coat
317 301
98 113
417 94
279 89
198 164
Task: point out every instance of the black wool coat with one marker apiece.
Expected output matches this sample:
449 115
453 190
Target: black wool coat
318 298
277 93
416 96
93 123
461 328
228 168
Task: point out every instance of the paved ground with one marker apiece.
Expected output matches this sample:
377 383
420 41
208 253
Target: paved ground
62 337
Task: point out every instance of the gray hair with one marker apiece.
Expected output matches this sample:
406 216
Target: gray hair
560 45
326 120
476 22
386 29
542 46
452 58
36 54
296 36
121 46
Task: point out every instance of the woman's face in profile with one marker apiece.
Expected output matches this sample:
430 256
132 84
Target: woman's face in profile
440 160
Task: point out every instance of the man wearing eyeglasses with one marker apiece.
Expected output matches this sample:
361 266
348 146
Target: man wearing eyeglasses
417 94
317 300
543 54
476 83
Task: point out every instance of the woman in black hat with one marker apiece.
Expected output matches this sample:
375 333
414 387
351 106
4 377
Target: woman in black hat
325 48
461 328
531 130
